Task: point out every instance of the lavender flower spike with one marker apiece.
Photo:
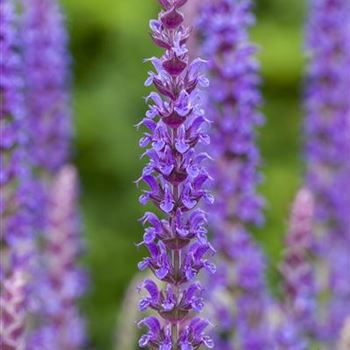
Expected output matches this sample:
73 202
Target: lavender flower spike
232 104
47 75
327 134
12 315
177 241
62 282
299 292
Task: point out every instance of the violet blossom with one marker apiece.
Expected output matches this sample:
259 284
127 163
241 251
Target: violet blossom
175 177
232 105
327 135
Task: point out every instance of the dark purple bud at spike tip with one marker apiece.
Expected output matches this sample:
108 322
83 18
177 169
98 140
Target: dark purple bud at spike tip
172 19
174 66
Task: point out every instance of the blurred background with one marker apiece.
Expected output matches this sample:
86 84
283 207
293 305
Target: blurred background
109 40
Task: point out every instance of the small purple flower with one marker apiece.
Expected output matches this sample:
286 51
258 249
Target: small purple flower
299 304
174 179
327 135
239 292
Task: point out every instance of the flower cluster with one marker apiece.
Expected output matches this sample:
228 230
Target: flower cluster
62 282
300 295
177 243
232 105
327 138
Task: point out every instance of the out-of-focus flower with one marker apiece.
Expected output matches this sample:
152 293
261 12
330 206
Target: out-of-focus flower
299 303
327 135
60 281
46 62
232 104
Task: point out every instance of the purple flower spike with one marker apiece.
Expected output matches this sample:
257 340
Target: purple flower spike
174 179
61 283
46 63
239 292
327 135
12 315
297 270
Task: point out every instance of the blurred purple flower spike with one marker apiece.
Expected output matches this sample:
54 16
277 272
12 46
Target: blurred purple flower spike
327 150
46 62
60 281
239 292
299 304
16 198
175 178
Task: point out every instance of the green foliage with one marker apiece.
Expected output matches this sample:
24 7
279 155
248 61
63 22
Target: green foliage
109 39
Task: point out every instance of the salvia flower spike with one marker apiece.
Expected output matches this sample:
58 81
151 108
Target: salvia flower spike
299 302
175 235
327 135
232 105
61 282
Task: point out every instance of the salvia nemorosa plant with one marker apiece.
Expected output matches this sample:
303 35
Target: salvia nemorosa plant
299 302
62 282
232 104
175 235
327 135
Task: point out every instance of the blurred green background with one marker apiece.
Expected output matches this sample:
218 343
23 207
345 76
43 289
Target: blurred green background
109 39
